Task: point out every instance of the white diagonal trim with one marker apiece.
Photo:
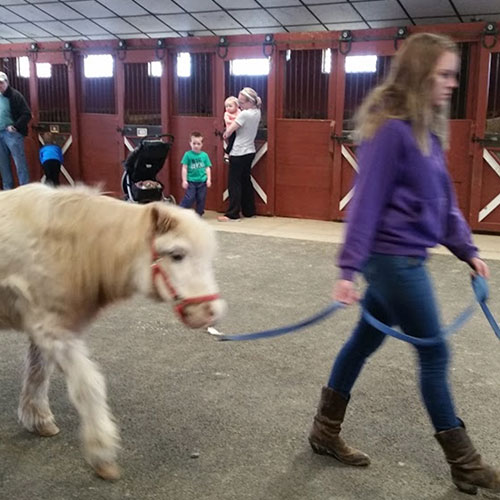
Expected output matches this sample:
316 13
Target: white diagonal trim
260 153
348 156
67 144
65 148
258 189
66 174
489 207
346 199
491 161
495 202
354 164
128 144
70 180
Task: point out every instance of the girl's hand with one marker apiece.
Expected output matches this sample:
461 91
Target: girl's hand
344 291
480 267
184 185
209 183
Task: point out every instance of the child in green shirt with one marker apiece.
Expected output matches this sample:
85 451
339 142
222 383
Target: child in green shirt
196 174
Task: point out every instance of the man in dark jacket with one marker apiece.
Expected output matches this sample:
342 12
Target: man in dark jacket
15 115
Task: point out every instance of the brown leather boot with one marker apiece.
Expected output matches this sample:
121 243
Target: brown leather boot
468 470
324 436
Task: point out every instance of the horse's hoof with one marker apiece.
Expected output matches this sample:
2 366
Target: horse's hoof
108 471
48 429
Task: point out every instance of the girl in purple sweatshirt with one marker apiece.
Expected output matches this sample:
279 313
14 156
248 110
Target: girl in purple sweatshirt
403 204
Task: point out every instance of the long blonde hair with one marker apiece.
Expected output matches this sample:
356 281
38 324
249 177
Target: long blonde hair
406 93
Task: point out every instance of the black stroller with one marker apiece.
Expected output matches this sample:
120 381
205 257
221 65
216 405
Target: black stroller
139 182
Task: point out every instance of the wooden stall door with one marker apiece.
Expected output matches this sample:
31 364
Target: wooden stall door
234 81
459 161
303 169
182 126
304 154
142 105
485 211
99 130
100 152
354 87
193 110
54 111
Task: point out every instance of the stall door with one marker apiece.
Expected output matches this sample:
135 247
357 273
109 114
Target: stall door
193 110
142 107
238 75
359 78
487 185
460 154
98 124
304 157
54 114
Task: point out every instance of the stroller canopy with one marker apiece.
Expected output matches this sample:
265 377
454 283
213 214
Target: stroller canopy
147 160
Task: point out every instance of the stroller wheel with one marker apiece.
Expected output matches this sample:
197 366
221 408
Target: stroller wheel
170 199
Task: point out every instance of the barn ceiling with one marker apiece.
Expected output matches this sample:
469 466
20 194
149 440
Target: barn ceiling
49 20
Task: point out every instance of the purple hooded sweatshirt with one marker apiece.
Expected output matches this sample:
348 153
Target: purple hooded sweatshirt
403 203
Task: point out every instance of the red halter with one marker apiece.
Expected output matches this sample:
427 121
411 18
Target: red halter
180 303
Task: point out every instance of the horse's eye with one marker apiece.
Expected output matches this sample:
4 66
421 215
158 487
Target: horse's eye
177 256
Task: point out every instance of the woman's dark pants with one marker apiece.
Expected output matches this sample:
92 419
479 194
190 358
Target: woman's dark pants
241 196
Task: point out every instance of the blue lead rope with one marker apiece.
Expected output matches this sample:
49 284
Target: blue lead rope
482 293
276 332
479 286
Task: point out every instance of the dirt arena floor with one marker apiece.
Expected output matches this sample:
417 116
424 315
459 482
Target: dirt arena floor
202 419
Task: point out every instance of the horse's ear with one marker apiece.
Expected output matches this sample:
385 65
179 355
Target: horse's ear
162 220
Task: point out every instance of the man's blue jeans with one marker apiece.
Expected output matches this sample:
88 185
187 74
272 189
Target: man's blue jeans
400 293
12 143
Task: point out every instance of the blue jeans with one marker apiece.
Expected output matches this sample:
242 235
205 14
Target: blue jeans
196 192
400 293
12 143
